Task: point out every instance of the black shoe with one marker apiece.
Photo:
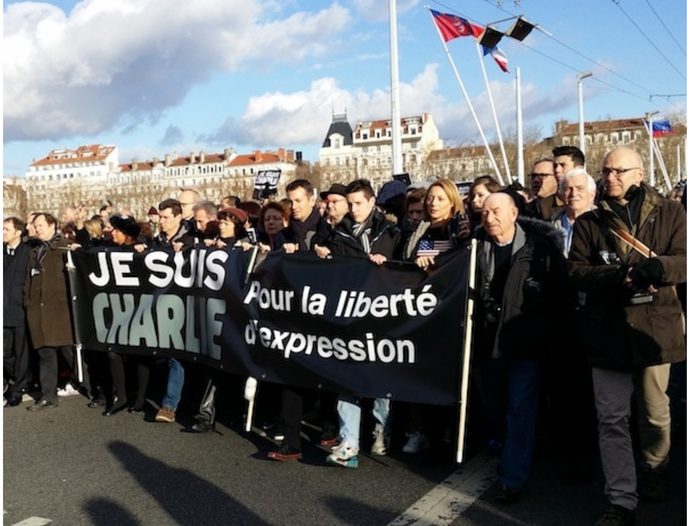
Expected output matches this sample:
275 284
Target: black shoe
115 408
14 401
40 405
507 495
617 516
203 427
285 452
651 484
96 402
135 409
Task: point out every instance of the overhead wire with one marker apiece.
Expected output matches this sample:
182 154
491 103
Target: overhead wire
617 2
666 28
603 67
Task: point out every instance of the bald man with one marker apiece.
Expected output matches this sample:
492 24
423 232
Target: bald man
627 256
522 277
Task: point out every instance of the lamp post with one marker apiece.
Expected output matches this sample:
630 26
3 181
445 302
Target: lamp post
650 128
581 111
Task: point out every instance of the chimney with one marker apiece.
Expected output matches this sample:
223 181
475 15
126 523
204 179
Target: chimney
192 158
257 156
281 154
155 161
202 157
135 164
226 154
168 160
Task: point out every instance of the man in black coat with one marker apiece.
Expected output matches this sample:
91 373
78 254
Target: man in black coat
15 344
524 299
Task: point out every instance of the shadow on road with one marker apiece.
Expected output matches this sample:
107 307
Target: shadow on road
104 512
185 497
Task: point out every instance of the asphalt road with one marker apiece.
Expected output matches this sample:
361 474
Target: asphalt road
72 466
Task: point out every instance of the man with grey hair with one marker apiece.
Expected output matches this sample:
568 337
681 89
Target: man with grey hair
627 256
577 190
206 220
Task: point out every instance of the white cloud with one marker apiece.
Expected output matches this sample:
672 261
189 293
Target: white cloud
113 64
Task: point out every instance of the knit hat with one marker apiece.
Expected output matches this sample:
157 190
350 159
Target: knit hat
125 224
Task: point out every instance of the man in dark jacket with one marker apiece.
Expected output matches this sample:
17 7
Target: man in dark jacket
300 235
364 231
16 362
627 256
522 277
47 306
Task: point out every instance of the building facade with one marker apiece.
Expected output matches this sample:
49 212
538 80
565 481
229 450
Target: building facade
366 151
91 176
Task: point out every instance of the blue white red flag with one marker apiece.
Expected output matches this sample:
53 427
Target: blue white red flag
452 26
660 128
499 56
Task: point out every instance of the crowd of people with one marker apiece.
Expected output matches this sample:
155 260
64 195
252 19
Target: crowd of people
580 309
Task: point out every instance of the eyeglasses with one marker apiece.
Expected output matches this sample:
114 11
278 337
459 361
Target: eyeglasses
616 172
540 176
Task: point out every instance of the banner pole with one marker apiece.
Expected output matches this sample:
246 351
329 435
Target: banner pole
79 359
251 384
466 352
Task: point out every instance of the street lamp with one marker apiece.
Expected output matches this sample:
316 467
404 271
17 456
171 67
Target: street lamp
580 78
650 128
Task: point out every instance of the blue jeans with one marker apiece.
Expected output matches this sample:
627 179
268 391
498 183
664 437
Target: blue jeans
173 392
350 417
512 390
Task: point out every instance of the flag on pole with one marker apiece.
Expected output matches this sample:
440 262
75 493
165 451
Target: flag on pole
452 26
499 56
660 128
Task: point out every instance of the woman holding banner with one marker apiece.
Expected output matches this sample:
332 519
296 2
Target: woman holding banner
445 224
125 234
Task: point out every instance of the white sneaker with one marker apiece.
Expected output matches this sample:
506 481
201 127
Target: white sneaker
381 443
68 390
416 442
344 455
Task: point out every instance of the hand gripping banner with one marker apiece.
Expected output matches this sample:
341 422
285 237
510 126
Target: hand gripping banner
342 324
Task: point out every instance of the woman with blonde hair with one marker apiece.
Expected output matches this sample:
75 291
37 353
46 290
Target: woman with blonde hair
444 226
444 223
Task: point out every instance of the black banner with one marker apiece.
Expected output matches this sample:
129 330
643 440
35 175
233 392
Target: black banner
342 325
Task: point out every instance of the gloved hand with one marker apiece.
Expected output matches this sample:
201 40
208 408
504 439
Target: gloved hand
647 272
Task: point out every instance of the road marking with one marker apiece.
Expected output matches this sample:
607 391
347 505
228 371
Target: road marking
33 521
446 502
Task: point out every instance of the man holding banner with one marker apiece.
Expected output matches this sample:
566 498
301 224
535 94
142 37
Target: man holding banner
364 231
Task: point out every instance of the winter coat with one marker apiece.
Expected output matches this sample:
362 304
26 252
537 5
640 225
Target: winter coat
14 274
409 251
383 237
619 335
537 300
46 297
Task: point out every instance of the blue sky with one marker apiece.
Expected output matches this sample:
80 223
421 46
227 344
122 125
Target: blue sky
158 76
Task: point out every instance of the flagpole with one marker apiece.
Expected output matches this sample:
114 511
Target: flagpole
493 112
469 102
396 141
519 139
